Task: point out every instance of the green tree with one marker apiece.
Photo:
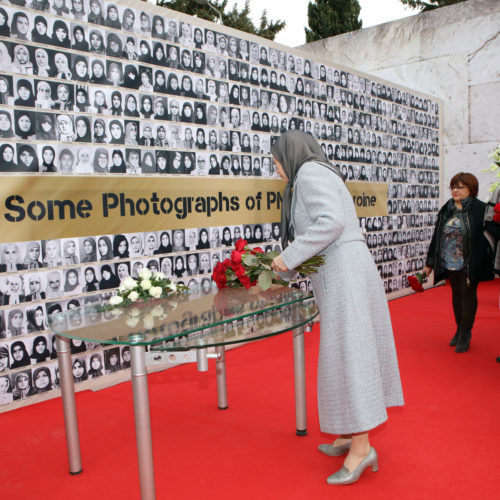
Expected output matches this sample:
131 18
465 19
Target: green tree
423 5
234 18
331 17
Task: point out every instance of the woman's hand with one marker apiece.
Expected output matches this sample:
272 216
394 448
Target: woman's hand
278 264
427 270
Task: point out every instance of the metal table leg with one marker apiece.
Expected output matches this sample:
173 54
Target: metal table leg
220 367
69 404
299 369
142 422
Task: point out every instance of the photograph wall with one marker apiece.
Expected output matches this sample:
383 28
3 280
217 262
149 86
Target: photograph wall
131 89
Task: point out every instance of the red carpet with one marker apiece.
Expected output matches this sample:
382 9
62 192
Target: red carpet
443 444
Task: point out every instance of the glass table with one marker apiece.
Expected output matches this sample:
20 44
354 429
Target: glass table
182 323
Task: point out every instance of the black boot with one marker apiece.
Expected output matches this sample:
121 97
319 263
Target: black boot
453 341
463 342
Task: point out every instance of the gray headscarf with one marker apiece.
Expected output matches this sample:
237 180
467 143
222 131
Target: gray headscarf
292 150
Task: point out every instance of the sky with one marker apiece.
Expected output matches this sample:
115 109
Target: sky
294 12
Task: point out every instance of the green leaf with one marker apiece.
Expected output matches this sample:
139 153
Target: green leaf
265 279
272 254
249 260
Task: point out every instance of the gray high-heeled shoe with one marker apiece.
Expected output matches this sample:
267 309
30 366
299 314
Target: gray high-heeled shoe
334 451
343 476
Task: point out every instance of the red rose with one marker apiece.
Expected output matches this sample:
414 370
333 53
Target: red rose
236 257
415 284
245 281
240 245
496 208
496 218
257 250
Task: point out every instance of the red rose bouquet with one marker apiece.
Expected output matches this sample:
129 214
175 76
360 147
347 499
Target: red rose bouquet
248 267
417 281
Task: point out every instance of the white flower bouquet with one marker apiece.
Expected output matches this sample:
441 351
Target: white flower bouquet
148 286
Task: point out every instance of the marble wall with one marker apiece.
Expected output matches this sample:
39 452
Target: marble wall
452 53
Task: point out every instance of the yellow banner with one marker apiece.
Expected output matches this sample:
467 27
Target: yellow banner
369 199
37 208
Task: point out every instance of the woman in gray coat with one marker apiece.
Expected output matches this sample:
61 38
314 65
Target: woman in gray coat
358 375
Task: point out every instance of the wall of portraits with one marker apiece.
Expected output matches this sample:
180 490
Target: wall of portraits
89 87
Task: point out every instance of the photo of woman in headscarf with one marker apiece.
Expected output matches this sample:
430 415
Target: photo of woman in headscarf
146 110
146 77
116 103
21 60
165 244
131 78
114 74
6 131
117 135
39 31
64 128
158 28
27 160
105 248
22 385
19 355
97 45
82 103
42 380
48 157
112 360
60 35
58 7
118 165
7 163
145 55
79 370
71 281
100 105
64 97
112 19
99 136
4 23
62 71
95 366
82 126
14 291
95 15
108 278
120 247
131 106
114 46
128 20
24 124
39 352
159 57
101 161
88 250
98 75
43 95
80 68
5 90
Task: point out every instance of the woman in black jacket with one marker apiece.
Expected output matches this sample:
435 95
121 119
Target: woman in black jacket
460 252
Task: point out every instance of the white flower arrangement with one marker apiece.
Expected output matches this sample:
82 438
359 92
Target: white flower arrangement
148 286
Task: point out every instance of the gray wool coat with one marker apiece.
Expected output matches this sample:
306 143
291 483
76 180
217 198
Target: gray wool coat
358 374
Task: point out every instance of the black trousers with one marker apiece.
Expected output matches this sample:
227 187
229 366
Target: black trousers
464 299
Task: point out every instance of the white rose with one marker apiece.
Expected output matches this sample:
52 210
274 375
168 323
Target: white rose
132 321
133 296
159 276
115 300
129 283
148 322
173 287
145 284
145 273
155 291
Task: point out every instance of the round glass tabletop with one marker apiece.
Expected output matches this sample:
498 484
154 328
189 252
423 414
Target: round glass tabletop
190 321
